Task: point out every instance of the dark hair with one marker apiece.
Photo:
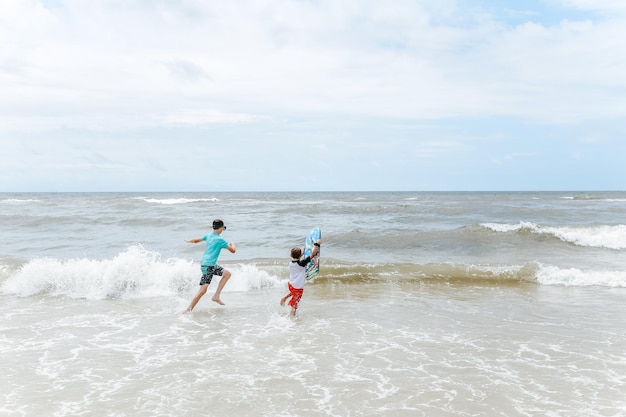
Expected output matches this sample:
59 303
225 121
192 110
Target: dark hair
296 253
217 223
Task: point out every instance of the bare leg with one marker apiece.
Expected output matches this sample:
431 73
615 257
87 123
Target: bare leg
284 299
225 277
293 311
197 297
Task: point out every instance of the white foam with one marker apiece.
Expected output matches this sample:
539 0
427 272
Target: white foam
603 236
612 237
505 228
134 273
249 277
170 201
19 200
573 277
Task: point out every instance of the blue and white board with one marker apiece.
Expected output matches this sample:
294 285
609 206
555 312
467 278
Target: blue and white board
313 268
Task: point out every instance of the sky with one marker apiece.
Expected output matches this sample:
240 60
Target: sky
312 95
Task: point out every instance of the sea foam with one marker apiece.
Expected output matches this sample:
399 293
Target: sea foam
573 277
171 201
603 236
134 273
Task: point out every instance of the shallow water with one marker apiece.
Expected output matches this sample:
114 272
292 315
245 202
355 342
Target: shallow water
378 348
458 305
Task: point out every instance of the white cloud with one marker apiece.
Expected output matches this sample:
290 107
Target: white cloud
186 71
207 116
103 61
388 82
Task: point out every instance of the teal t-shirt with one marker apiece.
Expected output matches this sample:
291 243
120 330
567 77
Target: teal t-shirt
214 245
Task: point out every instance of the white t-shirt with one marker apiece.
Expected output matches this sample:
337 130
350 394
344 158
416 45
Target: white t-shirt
297 269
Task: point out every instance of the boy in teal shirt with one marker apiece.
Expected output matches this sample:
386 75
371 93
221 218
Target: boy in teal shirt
209 267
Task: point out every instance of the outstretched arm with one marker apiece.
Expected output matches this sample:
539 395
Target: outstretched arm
195 240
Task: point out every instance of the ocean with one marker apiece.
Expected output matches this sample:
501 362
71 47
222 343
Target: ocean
427 304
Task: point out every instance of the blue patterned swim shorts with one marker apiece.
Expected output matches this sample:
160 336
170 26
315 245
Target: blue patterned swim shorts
208 272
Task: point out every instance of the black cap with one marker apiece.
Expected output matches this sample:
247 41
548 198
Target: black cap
217 223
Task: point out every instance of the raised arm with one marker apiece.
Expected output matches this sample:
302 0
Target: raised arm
316 248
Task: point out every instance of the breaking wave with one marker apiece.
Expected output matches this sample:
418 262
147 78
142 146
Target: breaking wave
604 236
139 273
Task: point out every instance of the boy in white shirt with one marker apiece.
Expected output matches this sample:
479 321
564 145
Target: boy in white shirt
297 278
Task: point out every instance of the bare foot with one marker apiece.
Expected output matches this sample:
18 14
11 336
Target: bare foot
218 301
284 300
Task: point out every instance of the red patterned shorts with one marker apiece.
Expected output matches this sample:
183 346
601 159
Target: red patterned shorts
296 295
